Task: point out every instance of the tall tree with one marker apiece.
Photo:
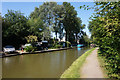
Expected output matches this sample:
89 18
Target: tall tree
72 24
59 13
14 28
70 13
46 13
78 28
36 27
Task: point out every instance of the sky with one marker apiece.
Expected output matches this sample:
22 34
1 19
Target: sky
28 7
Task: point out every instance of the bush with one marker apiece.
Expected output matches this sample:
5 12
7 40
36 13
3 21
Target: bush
58 46
68 43
105 31
31 39
112 60
30 49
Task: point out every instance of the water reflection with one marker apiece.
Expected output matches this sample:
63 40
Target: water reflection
78 49
7 60
45 65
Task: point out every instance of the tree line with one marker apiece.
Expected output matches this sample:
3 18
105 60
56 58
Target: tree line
44 20
105 30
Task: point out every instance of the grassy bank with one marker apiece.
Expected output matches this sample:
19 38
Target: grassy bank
73 70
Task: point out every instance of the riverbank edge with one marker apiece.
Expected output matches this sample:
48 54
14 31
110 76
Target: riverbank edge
73 70
36 52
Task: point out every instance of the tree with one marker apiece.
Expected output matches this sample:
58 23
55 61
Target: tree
36 27
59 14
72 24
46 13
60 18
0 16
46 34
31 39
14 28
70 13
84 39
78 29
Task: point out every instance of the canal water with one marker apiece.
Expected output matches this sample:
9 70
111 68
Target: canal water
43 65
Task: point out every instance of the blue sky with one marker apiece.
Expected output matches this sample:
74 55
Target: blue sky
28 7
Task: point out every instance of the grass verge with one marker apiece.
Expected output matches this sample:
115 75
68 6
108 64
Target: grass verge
73 70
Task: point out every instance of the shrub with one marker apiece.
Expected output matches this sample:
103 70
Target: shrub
58 46
31 39
68 43
105 30
30 49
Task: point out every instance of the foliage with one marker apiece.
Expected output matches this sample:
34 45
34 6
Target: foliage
102 64
14 28
46 13
105 31
30 49
85 40
59 13
55 43
48 17
73 70
0 17
36 26
58 46
46 34
68 43
31 39
59 18
72 24
15 23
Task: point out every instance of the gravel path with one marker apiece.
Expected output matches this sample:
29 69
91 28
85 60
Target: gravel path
91 68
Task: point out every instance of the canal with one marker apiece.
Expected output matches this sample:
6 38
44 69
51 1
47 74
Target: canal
43 65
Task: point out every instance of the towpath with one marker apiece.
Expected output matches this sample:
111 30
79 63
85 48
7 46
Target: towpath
91 68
